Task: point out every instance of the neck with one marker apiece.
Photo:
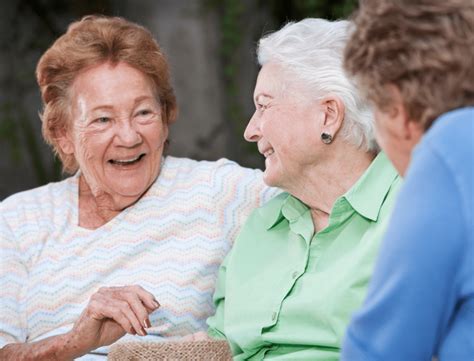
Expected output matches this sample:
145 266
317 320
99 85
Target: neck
321 184
96 208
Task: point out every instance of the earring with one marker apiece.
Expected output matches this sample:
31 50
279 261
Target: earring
326 138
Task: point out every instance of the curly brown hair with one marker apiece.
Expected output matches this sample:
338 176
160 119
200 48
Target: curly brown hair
94 40
425 48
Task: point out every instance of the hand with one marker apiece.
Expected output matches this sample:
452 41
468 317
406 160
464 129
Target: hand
111 313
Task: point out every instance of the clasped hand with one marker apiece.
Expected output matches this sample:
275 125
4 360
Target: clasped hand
110 314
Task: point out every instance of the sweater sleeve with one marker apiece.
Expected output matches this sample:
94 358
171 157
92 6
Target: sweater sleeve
238 191
13 277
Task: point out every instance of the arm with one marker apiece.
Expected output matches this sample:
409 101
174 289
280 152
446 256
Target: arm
413 290
238 191
111 312
53 348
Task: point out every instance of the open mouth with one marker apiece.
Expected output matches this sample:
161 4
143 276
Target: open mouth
127 162
268 153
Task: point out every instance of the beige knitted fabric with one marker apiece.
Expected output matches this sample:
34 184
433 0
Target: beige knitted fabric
214 350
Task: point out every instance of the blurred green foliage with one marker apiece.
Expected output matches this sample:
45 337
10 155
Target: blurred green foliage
45 20
295 10
232 24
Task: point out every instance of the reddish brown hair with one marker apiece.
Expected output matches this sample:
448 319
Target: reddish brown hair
425 48
92 41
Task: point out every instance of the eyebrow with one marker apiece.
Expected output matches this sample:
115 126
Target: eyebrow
259 95
110 107
142 98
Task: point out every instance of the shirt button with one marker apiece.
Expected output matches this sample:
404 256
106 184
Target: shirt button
274 316
295 275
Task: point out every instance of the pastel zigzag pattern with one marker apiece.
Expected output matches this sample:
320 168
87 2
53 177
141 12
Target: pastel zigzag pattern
171 243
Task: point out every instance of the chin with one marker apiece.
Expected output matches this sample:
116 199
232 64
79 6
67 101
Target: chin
131 190
270 179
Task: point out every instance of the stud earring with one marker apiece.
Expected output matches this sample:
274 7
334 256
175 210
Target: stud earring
326 138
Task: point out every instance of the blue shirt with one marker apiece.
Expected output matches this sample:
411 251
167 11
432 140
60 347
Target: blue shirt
420 301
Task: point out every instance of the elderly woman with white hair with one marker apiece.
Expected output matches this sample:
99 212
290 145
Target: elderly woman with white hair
302 262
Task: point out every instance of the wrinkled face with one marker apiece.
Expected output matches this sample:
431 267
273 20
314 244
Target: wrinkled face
396 135
117 133
285 125
388 137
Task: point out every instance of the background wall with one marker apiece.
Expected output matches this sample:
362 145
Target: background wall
210 46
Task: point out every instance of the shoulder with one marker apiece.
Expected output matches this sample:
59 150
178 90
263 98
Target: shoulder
451 140
186 166
443 163
273 204
264 216
40 198
222 175
37 206
453 130
432 206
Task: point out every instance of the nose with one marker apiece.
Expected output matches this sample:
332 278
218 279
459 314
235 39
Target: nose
252 132
127 135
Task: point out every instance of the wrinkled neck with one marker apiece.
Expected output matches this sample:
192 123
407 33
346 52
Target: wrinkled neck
98 207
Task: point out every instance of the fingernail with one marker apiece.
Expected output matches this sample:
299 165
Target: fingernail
147 323
155 302
143 332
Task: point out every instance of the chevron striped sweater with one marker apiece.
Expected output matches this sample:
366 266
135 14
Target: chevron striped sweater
171 242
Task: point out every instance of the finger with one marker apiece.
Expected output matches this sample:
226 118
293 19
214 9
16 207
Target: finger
141 312
127 311
105 308
146 297
133 296
130 295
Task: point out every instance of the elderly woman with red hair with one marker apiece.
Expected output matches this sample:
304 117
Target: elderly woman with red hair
89 259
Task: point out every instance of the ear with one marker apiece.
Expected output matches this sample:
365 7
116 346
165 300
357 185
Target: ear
410 130
65 141
334 111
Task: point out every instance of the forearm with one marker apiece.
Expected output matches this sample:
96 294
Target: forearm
57 348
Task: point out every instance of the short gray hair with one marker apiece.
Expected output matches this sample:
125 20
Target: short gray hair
312 50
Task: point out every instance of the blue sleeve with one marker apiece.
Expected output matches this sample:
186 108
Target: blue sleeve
414 287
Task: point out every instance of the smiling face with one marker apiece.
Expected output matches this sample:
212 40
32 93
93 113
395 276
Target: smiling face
117 133
286 125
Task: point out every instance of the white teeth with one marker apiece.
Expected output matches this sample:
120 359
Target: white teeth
268 153
126 161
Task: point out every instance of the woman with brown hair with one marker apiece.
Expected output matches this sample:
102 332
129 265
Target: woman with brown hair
86 260
414 61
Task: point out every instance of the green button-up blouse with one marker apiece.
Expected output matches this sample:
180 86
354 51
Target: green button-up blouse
287 292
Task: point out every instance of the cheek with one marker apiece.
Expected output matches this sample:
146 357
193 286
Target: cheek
160 134
90 145
156 134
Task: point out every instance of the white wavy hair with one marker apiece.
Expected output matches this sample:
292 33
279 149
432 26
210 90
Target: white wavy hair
312 51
